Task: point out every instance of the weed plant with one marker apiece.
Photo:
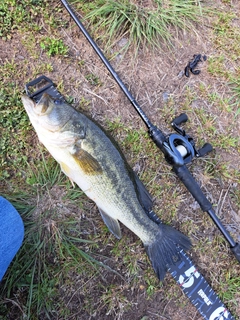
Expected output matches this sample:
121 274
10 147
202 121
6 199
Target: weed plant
141 25
54 46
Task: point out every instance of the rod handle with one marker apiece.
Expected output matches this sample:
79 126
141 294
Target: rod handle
190 183
193 187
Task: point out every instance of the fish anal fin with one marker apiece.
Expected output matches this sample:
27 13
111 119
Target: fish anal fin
143 195
112 224
87 162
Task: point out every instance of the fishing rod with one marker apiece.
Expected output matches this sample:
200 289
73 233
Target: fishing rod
178 148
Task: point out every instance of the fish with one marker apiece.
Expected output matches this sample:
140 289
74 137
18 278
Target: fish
93 160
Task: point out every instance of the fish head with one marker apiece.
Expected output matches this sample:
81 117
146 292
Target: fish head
48 114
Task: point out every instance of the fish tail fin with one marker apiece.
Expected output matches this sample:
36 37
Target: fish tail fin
164 251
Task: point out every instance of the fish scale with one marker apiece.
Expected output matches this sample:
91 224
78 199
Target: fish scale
185 273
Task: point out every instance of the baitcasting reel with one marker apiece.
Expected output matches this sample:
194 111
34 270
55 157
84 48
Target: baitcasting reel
179 149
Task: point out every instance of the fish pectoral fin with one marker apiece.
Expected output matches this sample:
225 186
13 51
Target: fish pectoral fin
112 224
87 162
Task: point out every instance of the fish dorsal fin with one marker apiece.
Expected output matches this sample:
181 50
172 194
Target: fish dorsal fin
112 224
87 162
143 195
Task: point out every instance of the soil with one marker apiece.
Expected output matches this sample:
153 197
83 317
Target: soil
154 78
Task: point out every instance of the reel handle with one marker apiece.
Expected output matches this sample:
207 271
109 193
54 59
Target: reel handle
180 119
206 148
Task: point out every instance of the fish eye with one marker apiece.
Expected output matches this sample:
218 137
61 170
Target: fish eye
57 101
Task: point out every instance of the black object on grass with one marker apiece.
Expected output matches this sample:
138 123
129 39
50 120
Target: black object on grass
191 66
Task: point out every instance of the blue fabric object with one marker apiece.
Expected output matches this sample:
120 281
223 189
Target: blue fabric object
11 234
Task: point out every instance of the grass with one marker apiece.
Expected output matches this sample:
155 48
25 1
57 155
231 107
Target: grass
54 46
141 25
55 275
25 16
12 120
235 83
225 32
52 246
14 14
93 79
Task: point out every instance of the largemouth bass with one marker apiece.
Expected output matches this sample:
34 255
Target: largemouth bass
91 160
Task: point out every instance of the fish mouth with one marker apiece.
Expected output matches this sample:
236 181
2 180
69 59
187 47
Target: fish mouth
40 107
45 98
44 101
